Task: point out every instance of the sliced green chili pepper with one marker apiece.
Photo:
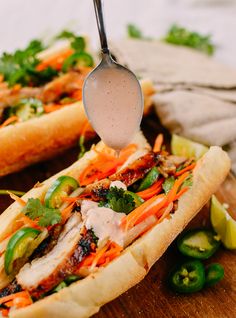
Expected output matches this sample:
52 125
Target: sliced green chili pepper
59 287
188 277
79 59
149 179
20 247
198 243
137 199
59 189
214 273
71 279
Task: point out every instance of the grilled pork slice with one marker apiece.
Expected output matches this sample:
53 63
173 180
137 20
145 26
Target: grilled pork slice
12 288
12 96
64 84
46 272
128 175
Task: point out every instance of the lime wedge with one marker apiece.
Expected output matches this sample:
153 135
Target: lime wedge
223 224
181 146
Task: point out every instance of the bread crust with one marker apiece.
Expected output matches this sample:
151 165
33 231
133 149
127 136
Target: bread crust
40 138
10 216
84 298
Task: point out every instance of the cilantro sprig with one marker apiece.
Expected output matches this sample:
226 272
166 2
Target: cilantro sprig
20 66
179 35
34 209
118 200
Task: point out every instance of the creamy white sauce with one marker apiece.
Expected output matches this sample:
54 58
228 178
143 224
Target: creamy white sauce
104 222
114 105
118 184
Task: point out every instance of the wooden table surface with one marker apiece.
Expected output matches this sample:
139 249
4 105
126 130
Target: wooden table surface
151 298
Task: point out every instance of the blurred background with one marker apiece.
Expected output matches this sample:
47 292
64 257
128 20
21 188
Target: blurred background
22 20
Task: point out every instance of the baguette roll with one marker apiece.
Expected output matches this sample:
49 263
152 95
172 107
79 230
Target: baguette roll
84 298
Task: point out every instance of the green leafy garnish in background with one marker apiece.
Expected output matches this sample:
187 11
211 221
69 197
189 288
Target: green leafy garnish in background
181 36
134 31
46 216
20 67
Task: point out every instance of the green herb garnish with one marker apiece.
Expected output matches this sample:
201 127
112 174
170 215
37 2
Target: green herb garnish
188 182
181 36
168 184
120 201
134 31
20 67
46 216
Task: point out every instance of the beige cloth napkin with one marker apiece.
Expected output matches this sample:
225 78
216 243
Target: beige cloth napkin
196 95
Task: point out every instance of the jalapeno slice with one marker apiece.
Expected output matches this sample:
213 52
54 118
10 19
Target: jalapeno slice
137 199
60 188
198 243
79 59
214 273
149 179
19 248
188 277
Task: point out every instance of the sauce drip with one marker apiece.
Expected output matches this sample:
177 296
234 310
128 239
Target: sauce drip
114 105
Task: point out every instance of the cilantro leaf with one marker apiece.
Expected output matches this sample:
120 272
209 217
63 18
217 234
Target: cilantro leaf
134 31
65 34
188 182
20 66
168 184
47 216
181 36
120 201
50 217
78 44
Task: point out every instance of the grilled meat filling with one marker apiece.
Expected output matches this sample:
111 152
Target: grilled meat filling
48 244
12 288
130 174
48 271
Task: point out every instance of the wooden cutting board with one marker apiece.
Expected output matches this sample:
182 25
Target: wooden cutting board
151 298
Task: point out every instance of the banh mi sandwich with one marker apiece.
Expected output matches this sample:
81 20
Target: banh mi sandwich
41 110
91 232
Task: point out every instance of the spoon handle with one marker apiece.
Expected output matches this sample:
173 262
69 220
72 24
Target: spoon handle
100 24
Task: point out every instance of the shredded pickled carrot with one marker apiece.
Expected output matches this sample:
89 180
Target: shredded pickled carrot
55 61
23 294
104 165
27 221
181 192
77 94
152 210
156 188
158 143
190 167
171 195
103 256
127 221
66 213
9 121
16 198
52 107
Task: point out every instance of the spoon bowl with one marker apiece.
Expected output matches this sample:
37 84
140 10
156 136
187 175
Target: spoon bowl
112 96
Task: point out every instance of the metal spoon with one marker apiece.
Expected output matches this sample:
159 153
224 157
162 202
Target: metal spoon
112 96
